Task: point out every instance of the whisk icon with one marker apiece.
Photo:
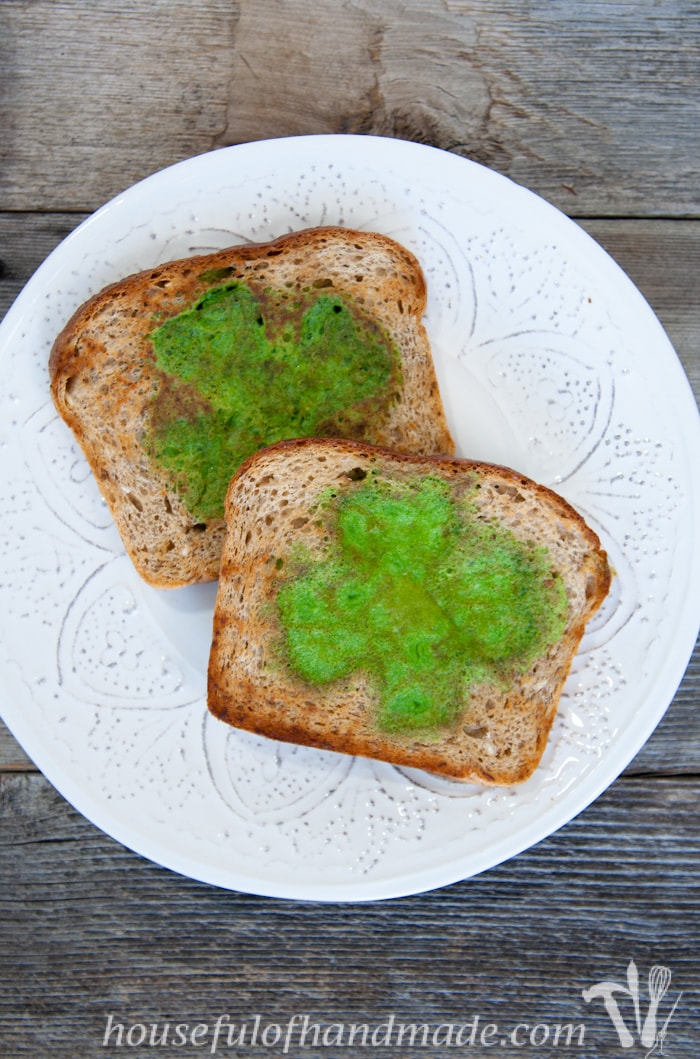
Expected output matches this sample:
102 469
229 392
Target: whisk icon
611 993
659 981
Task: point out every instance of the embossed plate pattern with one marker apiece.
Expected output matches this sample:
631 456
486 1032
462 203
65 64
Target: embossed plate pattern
549 360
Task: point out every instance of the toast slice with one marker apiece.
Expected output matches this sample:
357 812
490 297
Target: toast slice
424 611
172 376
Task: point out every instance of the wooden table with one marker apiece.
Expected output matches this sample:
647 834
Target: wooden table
594 106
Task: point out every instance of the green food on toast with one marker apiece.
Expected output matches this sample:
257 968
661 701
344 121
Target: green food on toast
240 370
421 596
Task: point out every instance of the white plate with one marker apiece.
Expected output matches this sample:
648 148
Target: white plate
549 360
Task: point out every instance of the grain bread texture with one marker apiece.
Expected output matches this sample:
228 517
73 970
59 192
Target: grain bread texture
501 734
104 375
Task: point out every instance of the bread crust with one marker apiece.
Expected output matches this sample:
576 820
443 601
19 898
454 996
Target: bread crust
103 376
501 736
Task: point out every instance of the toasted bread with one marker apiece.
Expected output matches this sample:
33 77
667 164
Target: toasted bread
283 509
110 387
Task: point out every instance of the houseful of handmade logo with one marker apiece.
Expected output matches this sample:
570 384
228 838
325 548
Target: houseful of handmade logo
641 1014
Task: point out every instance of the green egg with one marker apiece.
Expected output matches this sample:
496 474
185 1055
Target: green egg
421 597
241 369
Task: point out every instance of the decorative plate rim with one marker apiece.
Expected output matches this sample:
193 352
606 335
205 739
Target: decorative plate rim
378 153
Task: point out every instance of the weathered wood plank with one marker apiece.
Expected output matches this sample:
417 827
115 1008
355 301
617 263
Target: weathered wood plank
673 749
94 98
12 756
675 745
89 929
26 239
663 259
591 105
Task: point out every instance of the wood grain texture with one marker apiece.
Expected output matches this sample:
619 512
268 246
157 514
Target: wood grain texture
663 259
526 88
96 97
661 256
673 749
592 106
99 931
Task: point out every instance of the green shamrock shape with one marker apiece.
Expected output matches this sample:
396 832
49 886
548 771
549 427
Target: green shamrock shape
421 597
238 372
